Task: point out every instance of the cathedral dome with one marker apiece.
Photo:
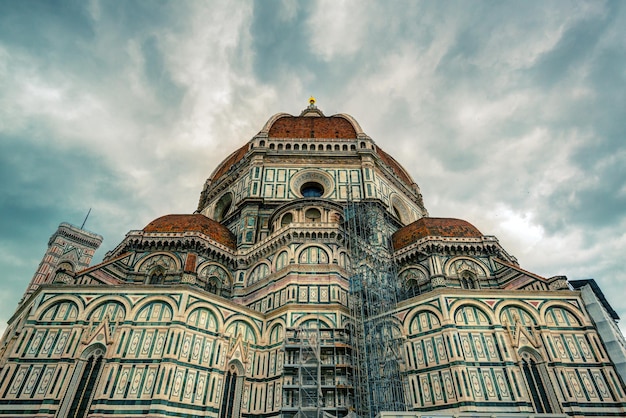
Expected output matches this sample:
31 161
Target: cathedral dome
312 127
433 227
193 223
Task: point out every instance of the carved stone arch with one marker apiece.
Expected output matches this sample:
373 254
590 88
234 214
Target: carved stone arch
308 319
470 313
538 382
400 209
284 257
506 313
215 278
276 333
261 270
306 253
344 260
51 303
65 309
421 319
242 319
269 325
223 206
110 311
234 377
168 260
204 318
547 310
137 313
286 219
203 305
482 306
455 266
414 280
84 381
157 267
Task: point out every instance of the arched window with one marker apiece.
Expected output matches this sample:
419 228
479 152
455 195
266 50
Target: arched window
276 334
213 284
344 148
468 281
286 219
233 385
83 383
272 146
214 279
534 373
313 215
344 260
414 282
243 329
157 276
281 260
262 143
304 147
313 255
223 206
258 273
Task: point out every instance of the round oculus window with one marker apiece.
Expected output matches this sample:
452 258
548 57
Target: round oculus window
312 189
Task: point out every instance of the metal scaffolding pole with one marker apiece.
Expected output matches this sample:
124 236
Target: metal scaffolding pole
376 337
317 374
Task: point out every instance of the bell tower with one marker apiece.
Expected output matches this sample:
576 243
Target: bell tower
70 249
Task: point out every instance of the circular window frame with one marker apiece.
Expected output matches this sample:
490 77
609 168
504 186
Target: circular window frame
312 186
320 177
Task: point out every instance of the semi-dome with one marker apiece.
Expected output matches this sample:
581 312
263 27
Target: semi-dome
193 223
433 227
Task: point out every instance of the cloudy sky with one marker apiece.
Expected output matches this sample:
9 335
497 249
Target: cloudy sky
510 115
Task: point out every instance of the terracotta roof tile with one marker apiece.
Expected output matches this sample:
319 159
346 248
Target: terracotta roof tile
312 127
394 165
193 223
439 227
232 159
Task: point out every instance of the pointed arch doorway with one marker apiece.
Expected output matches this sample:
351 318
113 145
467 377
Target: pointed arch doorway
233 387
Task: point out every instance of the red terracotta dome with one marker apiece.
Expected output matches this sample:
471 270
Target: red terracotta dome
433 227
230 161
193 223
312 127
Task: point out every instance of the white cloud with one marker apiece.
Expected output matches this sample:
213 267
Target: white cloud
457 93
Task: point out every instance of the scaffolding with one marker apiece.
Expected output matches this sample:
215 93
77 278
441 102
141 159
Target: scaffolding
317 373
375 337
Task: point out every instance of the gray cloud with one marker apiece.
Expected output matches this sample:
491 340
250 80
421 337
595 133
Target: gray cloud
507 115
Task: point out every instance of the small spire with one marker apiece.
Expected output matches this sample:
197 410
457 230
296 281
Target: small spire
312 102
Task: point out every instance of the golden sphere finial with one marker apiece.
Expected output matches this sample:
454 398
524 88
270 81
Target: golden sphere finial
311 100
